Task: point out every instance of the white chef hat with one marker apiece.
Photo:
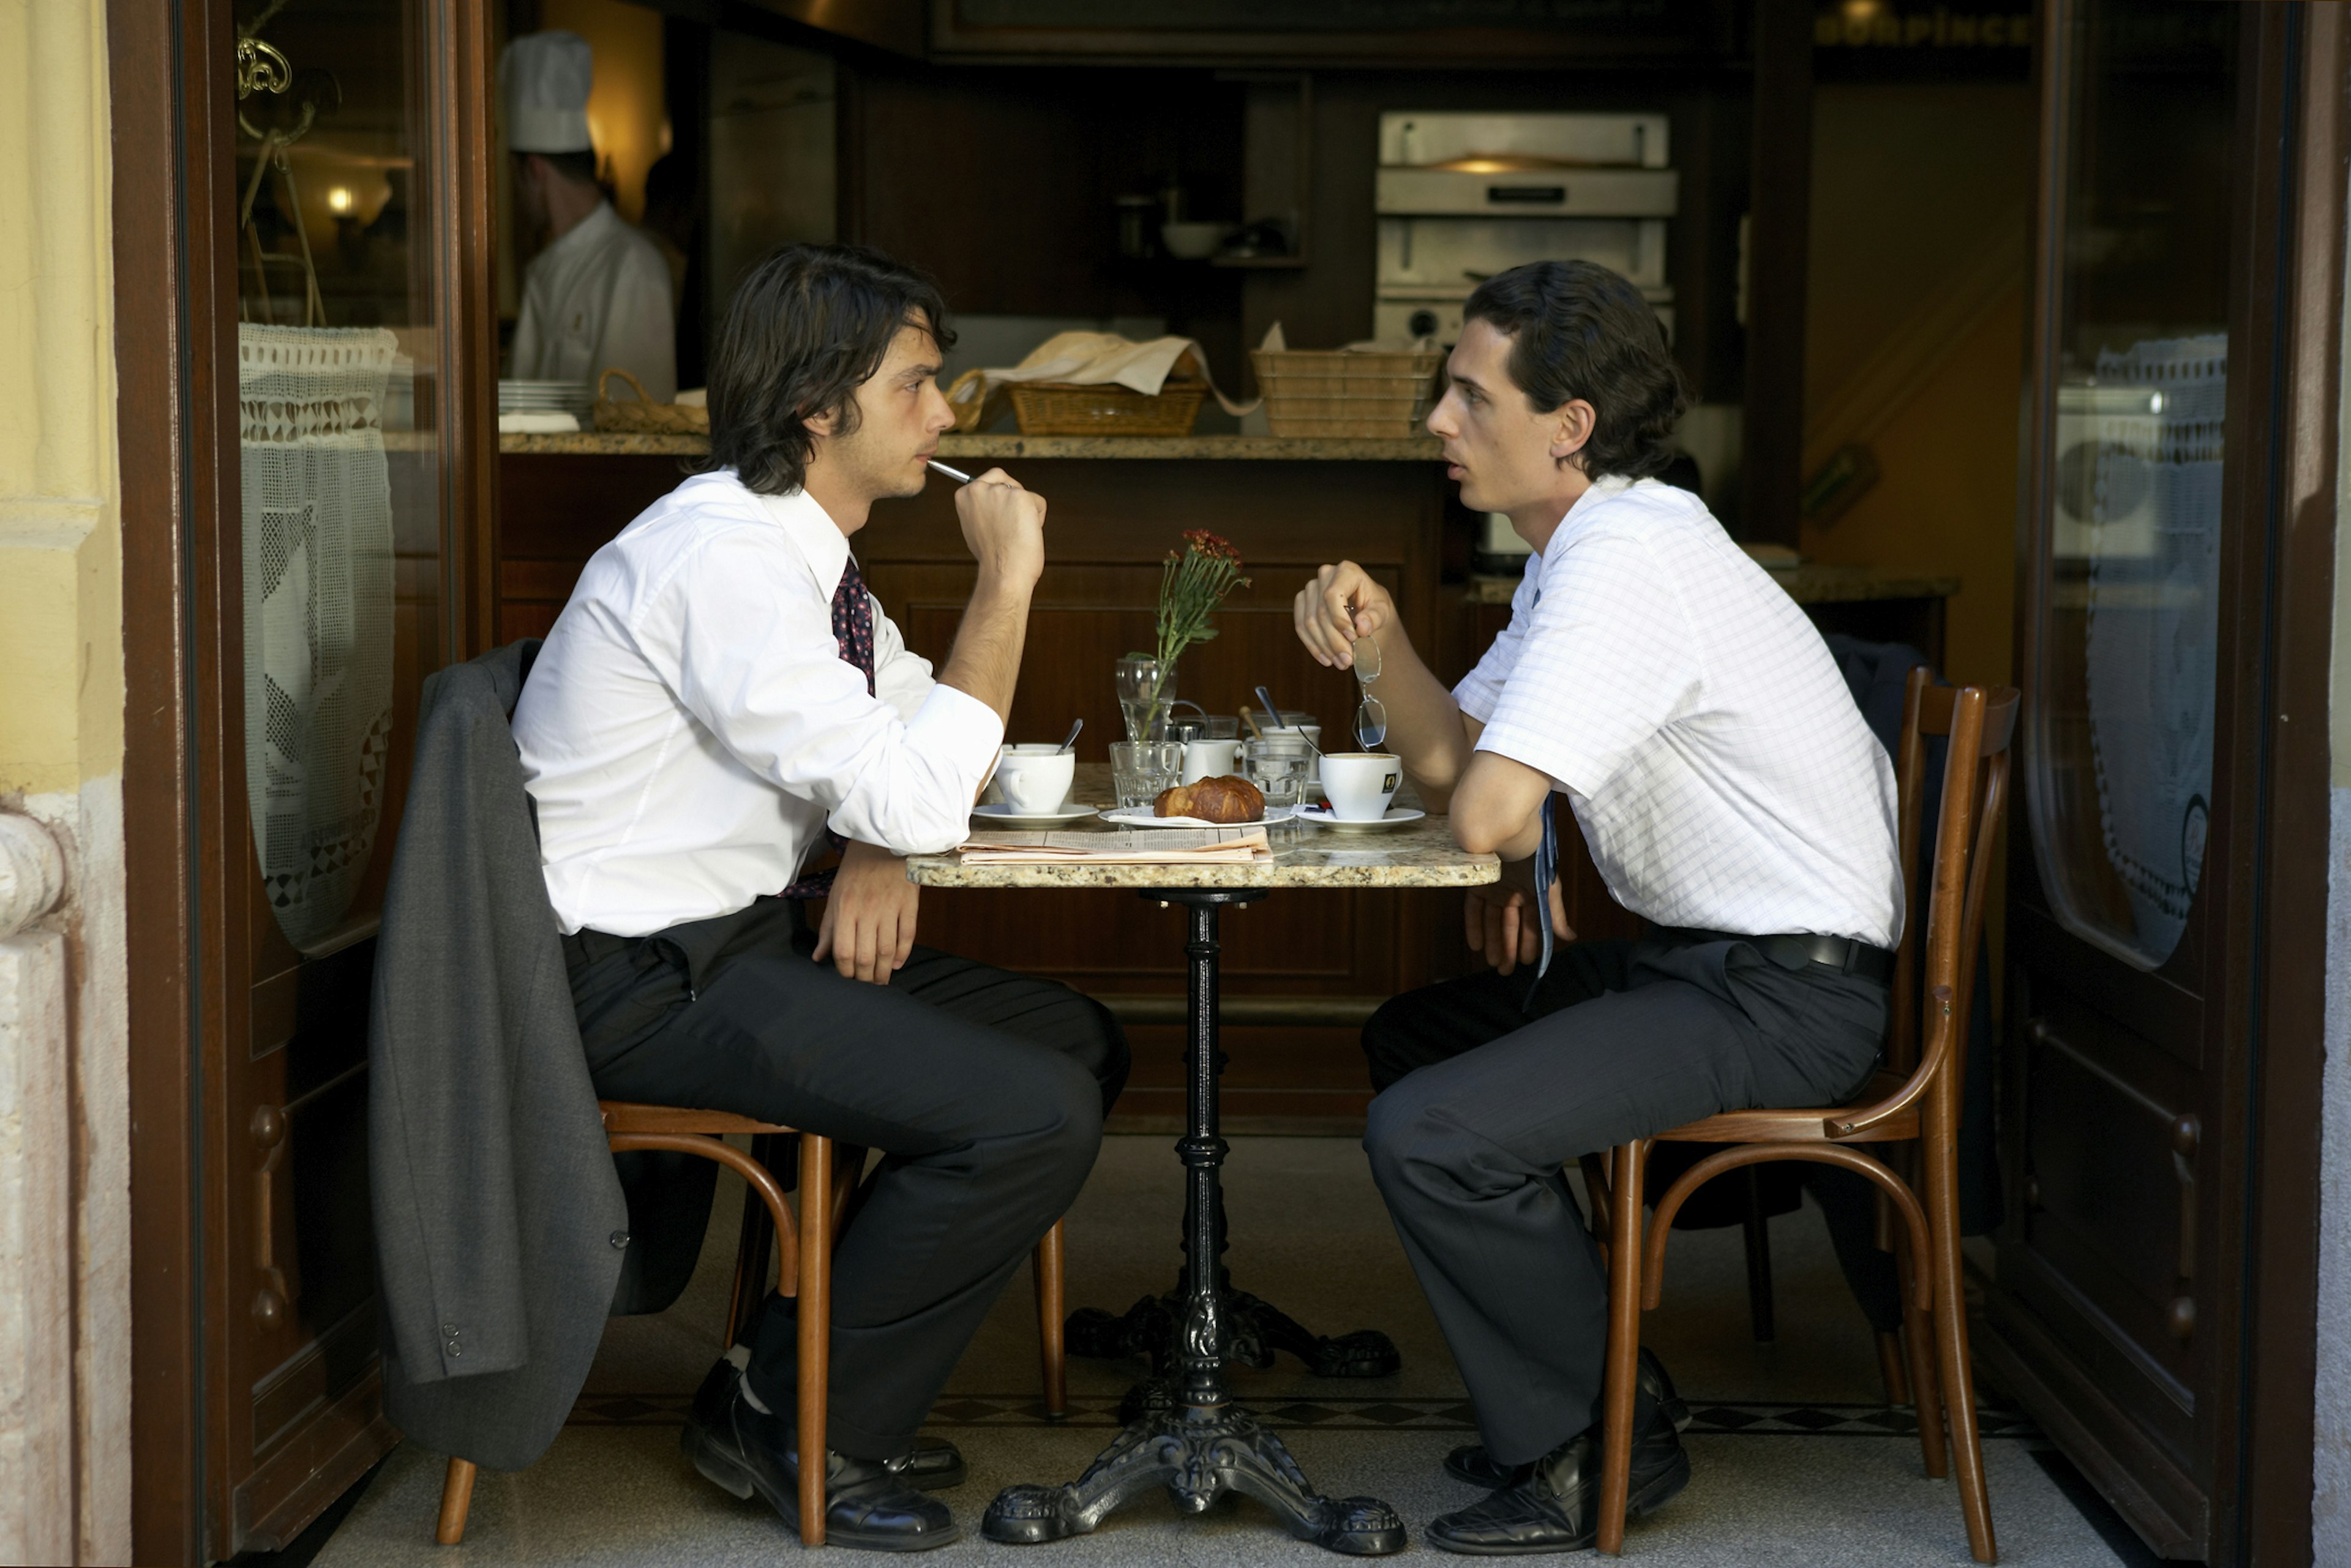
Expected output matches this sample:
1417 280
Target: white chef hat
544 78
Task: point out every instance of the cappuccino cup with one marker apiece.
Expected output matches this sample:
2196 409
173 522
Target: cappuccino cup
1035 778
1360 784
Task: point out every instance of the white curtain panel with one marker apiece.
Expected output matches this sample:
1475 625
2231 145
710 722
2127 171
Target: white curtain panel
318 609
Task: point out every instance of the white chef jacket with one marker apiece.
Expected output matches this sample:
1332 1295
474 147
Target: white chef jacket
598 297
1714 757
690 728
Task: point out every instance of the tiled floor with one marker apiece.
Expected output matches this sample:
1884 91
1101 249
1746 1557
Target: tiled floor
1795 1458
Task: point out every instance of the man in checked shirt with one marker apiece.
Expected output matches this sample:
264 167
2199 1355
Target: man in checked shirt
1730 794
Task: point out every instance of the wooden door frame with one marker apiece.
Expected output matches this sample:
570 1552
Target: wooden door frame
175 368
2264 980
2306 60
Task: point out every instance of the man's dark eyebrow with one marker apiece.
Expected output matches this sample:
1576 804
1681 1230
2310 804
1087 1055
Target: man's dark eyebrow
1469 382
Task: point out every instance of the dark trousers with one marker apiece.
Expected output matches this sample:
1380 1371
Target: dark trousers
1484 1097
983 1090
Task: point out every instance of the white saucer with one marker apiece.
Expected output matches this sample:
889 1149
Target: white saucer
1002 814
1396 818
1141 816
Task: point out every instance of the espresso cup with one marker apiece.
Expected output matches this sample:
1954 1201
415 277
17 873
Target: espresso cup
1210 759
1360 784
1035 778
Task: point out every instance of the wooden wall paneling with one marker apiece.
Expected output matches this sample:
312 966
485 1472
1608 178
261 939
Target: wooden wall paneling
1772 433
1225 32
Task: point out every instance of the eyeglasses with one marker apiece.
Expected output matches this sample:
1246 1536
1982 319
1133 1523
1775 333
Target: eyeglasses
1371 718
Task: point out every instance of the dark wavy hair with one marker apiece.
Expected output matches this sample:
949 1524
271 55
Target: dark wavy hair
1579 331
807 328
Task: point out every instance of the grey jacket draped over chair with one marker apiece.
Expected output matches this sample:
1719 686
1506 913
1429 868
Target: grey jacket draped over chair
500 1223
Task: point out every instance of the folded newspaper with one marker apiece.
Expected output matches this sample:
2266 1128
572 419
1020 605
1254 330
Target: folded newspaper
1125 846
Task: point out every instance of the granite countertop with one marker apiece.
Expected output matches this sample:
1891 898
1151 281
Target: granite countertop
1001 448
1814 582
1419 854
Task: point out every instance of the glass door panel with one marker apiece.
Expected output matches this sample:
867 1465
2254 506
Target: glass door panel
2120 771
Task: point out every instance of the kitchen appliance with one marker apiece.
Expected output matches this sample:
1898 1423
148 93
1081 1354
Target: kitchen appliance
1461 197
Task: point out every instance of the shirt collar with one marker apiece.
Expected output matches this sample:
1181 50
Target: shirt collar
1601 491
809 527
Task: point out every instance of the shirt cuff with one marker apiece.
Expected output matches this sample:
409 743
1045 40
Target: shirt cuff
956 725
1566 767
1476 698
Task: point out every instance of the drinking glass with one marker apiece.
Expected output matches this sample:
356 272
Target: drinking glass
1140 770
1277 768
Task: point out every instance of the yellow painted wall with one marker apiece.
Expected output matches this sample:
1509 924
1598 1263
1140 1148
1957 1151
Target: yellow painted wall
61 539
626 113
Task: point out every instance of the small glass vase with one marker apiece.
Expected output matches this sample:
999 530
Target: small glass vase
1145 694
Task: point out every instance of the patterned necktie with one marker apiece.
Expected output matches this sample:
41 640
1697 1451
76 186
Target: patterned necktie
1546 872
852 631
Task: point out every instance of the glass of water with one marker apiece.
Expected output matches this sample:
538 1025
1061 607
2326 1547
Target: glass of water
1277 768
1140 770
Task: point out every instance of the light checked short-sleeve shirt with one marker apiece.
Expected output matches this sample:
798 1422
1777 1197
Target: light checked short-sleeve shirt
690 727
1723 775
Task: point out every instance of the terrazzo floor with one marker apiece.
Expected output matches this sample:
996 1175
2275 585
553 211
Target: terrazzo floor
1795 1458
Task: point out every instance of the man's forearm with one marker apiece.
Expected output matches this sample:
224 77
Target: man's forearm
1424 724
985 662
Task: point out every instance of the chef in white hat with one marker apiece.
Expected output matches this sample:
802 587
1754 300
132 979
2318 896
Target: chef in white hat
598 295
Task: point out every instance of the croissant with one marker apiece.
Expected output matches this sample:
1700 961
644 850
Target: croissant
1220 799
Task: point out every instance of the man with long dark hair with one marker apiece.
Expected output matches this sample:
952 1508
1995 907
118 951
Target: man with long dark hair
1730 793
720 702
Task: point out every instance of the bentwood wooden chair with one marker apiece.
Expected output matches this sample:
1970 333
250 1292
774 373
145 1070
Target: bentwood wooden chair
805 1271
1915 1100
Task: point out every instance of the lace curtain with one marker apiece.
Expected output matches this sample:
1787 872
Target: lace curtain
317 503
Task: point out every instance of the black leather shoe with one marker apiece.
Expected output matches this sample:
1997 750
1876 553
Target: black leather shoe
867 1505
932 1464
1557 1507
1473 1466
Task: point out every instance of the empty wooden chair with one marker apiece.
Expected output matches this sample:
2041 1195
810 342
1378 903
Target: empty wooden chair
1903 1103
806 1271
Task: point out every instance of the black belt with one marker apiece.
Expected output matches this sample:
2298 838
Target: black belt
1800 950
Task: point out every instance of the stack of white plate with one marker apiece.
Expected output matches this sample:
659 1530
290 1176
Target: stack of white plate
546 397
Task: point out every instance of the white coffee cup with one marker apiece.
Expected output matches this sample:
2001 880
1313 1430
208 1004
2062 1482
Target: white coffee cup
1210 759
1035 778
1360 784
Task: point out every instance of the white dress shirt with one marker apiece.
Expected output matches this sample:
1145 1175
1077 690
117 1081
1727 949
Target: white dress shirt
1723 775
689 727
598 297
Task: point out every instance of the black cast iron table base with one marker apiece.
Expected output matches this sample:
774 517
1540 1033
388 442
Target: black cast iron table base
1198 1445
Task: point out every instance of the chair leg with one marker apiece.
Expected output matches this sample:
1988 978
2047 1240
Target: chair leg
1047 1266
754 1250
1918 1343
815 1324
1623 1342
456 1502
1942 1157
1759 1259
1890 1367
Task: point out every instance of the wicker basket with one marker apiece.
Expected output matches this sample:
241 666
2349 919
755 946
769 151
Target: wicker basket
976 405
1057 408
641 415
1314 391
